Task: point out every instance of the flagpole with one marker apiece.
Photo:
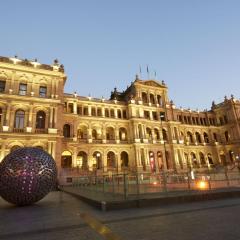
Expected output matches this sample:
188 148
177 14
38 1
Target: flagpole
148 72
140 71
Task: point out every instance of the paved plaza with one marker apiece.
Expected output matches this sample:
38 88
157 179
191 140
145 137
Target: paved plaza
61 216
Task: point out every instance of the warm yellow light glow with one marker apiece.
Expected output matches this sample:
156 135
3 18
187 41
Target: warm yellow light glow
202 185
154 183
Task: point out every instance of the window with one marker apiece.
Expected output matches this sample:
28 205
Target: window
66 130
19 119
94 112
42 91
124 114
2 86
70 108
22 89
40 120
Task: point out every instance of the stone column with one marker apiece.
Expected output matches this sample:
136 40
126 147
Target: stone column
55 117
51 118
150 115
75 107
89 110
143 131
136 133
30 116
103 111
53 149
7 116
3 151
50 148
103 134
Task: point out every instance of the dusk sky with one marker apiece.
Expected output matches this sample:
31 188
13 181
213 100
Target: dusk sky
194 46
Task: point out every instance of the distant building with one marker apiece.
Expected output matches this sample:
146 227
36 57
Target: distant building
135 130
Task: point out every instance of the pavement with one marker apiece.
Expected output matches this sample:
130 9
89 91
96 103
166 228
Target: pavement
62 216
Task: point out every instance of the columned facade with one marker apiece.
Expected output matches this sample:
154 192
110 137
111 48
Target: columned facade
138 129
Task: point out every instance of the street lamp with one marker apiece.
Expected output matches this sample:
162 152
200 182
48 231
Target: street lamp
162 117
98 157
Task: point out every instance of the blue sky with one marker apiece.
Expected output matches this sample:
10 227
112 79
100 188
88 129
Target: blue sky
193 45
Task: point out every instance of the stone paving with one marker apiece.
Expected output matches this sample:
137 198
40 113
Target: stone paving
58 216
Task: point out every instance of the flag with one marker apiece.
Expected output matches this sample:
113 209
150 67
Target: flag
140 69
147 69
155 74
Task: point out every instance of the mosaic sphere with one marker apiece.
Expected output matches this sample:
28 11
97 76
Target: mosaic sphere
27 175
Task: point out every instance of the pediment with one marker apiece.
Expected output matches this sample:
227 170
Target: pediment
152 83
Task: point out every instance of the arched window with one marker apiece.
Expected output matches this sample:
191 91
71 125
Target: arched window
194 160
106 112
112 113
124 159
144 97
215 137
119 113
19 119
148 133
164 133
40 120
181 137
202 159
152 161
110 133
111 160
210 160
206 139
66 130
94 134
99 112
198 137
152 100
190 137
97 160
226 136
159 99
157 135
122 134
82 132
82 160
66 159
94 111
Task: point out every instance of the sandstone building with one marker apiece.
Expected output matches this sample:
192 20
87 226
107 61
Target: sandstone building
138 129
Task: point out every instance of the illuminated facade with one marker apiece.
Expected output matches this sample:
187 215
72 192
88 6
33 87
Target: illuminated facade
138 129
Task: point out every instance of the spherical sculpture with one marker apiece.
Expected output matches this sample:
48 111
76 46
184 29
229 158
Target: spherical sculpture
27 175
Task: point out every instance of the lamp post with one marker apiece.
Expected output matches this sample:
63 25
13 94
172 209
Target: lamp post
97 162
164 145
162 116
